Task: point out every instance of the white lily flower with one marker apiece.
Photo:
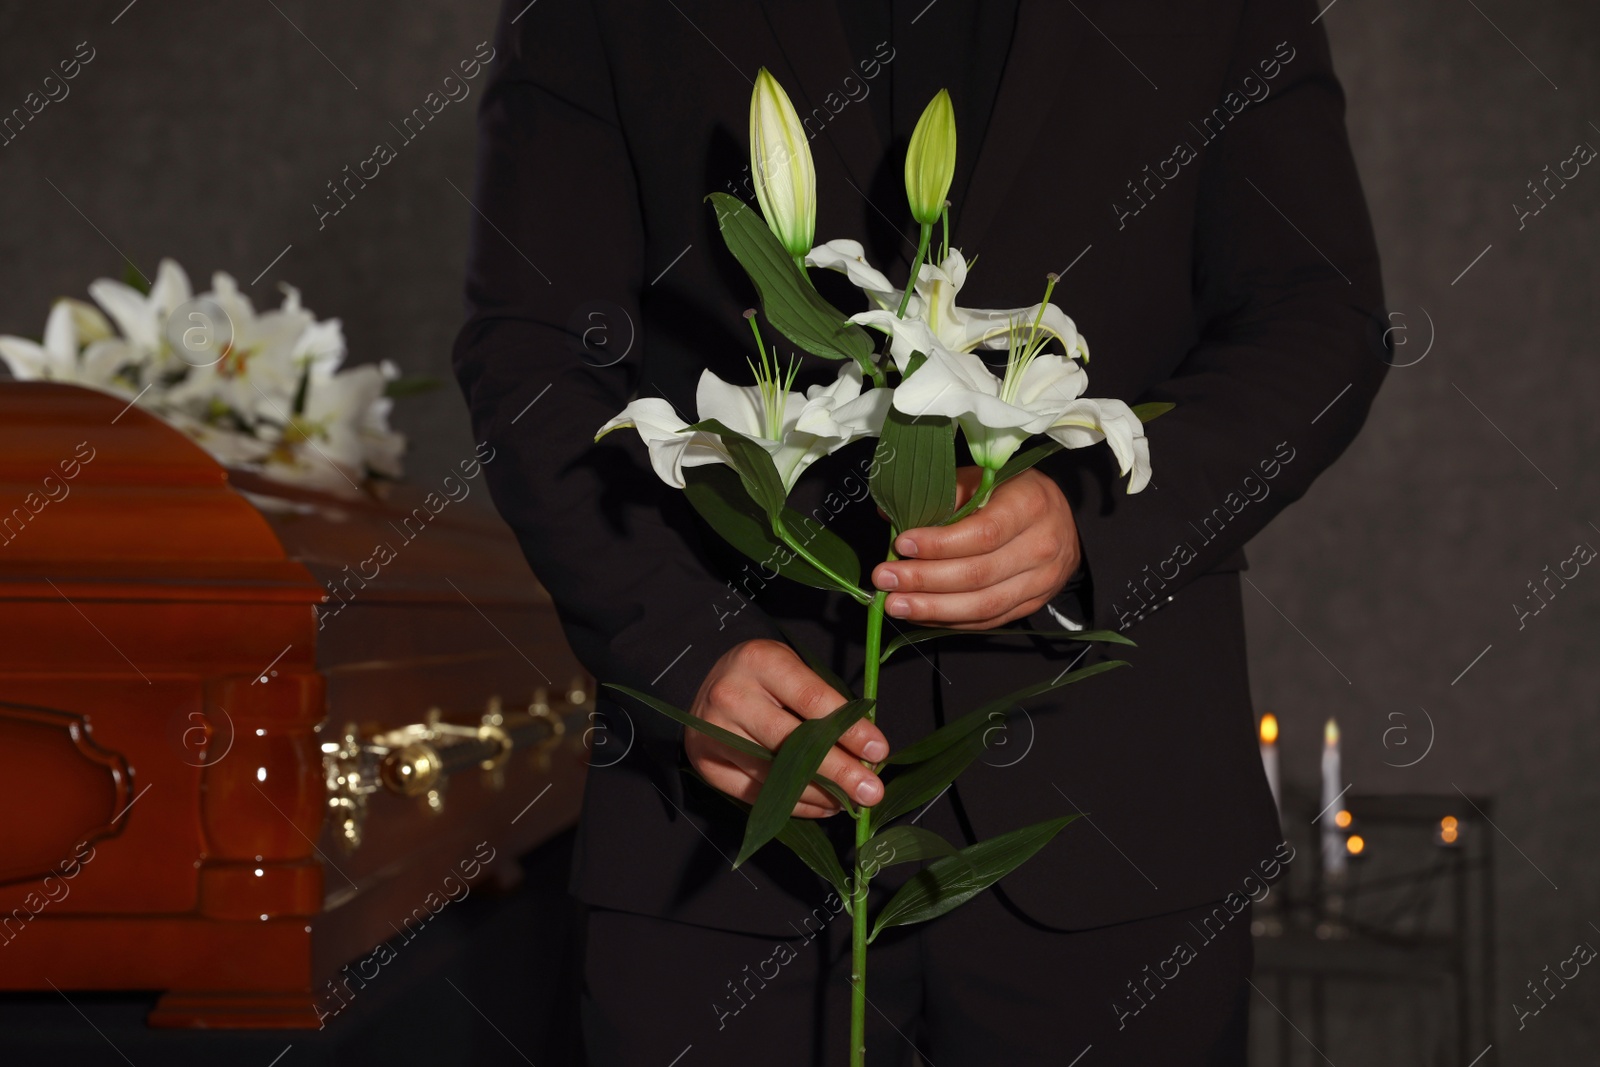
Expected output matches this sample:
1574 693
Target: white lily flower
795 429
849 258
933 307
670 448
251 364
1039 393
142 317
996 415
1087 421
77 347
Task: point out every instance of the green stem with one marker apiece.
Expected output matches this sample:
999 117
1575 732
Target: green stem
944 217
874 372
979 498
783 534
858 889
916 268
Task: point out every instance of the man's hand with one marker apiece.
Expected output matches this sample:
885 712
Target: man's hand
761 690
1003 562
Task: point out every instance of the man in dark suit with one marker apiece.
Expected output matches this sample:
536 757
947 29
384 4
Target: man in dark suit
1184 167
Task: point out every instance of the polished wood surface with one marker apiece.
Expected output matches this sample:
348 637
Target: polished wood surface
178 643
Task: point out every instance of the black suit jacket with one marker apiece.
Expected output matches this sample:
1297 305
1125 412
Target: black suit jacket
1184 163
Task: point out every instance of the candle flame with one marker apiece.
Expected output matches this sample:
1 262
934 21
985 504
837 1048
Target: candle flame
1330 733
1355 843
1269 729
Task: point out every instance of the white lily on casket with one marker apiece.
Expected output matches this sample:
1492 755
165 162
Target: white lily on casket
143 318
251 363
795 429
343 430
78 346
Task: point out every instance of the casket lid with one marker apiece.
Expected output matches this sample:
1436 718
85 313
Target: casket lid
102 496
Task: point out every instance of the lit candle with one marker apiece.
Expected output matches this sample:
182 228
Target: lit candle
1333 850
1269 756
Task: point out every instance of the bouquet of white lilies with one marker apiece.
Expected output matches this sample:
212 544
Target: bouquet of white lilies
925 384
263 391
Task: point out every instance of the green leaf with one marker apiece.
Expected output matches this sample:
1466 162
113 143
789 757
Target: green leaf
695 722
909 790
133 277
788 299
753 464
916 637
951 882
805 839
1026 458
903 844
726 737
915 477
1152 410
793 768
718 494
994 712
411 385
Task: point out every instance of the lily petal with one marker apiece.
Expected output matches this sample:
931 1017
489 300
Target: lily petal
662 432
906 335
850 259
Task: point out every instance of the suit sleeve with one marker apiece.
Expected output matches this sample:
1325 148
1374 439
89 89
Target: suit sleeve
1289 357
557 230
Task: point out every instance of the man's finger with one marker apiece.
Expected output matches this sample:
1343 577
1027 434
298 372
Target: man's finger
860 784
961 575
770 727
953 609
865 741
983 531
743 782
796 686
803 691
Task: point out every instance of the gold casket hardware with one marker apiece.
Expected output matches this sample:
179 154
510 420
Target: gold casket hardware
418 760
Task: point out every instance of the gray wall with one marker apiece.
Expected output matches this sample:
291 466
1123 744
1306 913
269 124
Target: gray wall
1403 564
207 131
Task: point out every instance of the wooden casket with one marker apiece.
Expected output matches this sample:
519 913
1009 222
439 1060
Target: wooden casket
251 733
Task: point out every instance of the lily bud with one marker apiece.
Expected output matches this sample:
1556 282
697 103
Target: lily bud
931 159
780 161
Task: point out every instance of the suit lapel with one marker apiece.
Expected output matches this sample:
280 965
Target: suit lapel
1038 69
815 61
